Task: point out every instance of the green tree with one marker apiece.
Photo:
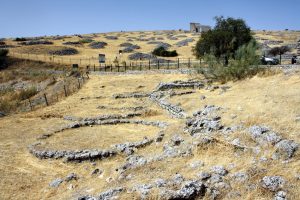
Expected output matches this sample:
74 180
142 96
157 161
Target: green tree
224 39
279 51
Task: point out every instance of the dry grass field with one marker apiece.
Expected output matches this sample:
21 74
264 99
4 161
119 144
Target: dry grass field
268 100
89 55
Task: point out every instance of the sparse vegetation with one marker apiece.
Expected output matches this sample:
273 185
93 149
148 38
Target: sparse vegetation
244 65
161 51
27 93
3 55
86 40
20 39
279 51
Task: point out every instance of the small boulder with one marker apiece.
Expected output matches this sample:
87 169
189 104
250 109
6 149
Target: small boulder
176 140
55 183
2 114
71 177
285 149
219 169
273 183
281 195
204 175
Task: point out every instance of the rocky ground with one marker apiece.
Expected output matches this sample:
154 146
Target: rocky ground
167 135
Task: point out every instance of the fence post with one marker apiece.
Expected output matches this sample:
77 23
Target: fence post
149 64
168 64
94 67
157 64
178 63
118 68
30 104
46 100
125 65
189 64
111 67
140 66
78 83
65 91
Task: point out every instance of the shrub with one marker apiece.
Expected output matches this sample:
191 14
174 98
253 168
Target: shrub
27 93
279 51
3 54
6 105
245 64
161 51
20 39
83 41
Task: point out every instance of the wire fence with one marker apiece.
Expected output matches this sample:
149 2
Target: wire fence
93 64
62 90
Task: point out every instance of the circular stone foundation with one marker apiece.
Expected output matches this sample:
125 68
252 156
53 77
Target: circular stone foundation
98 137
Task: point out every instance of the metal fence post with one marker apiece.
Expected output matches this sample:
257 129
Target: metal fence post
178 63
149 64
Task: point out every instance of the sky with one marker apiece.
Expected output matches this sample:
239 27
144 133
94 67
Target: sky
24 18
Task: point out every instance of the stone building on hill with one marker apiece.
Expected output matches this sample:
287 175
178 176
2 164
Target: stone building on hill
198 28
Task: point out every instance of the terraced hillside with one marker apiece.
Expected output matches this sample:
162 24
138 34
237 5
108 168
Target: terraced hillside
158 135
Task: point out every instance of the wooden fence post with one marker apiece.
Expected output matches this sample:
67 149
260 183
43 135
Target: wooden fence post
168 64
149 64
178 63
78 83
157 64
46 100
30 104
125 66
65 91
189 64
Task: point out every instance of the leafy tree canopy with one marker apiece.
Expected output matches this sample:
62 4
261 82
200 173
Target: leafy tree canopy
224 39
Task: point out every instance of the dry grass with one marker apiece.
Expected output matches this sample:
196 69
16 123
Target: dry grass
112 49
271 100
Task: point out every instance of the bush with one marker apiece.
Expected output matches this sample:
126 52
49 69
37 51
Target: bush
83 41
161 51
245 64
26 94
3 54
20 39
